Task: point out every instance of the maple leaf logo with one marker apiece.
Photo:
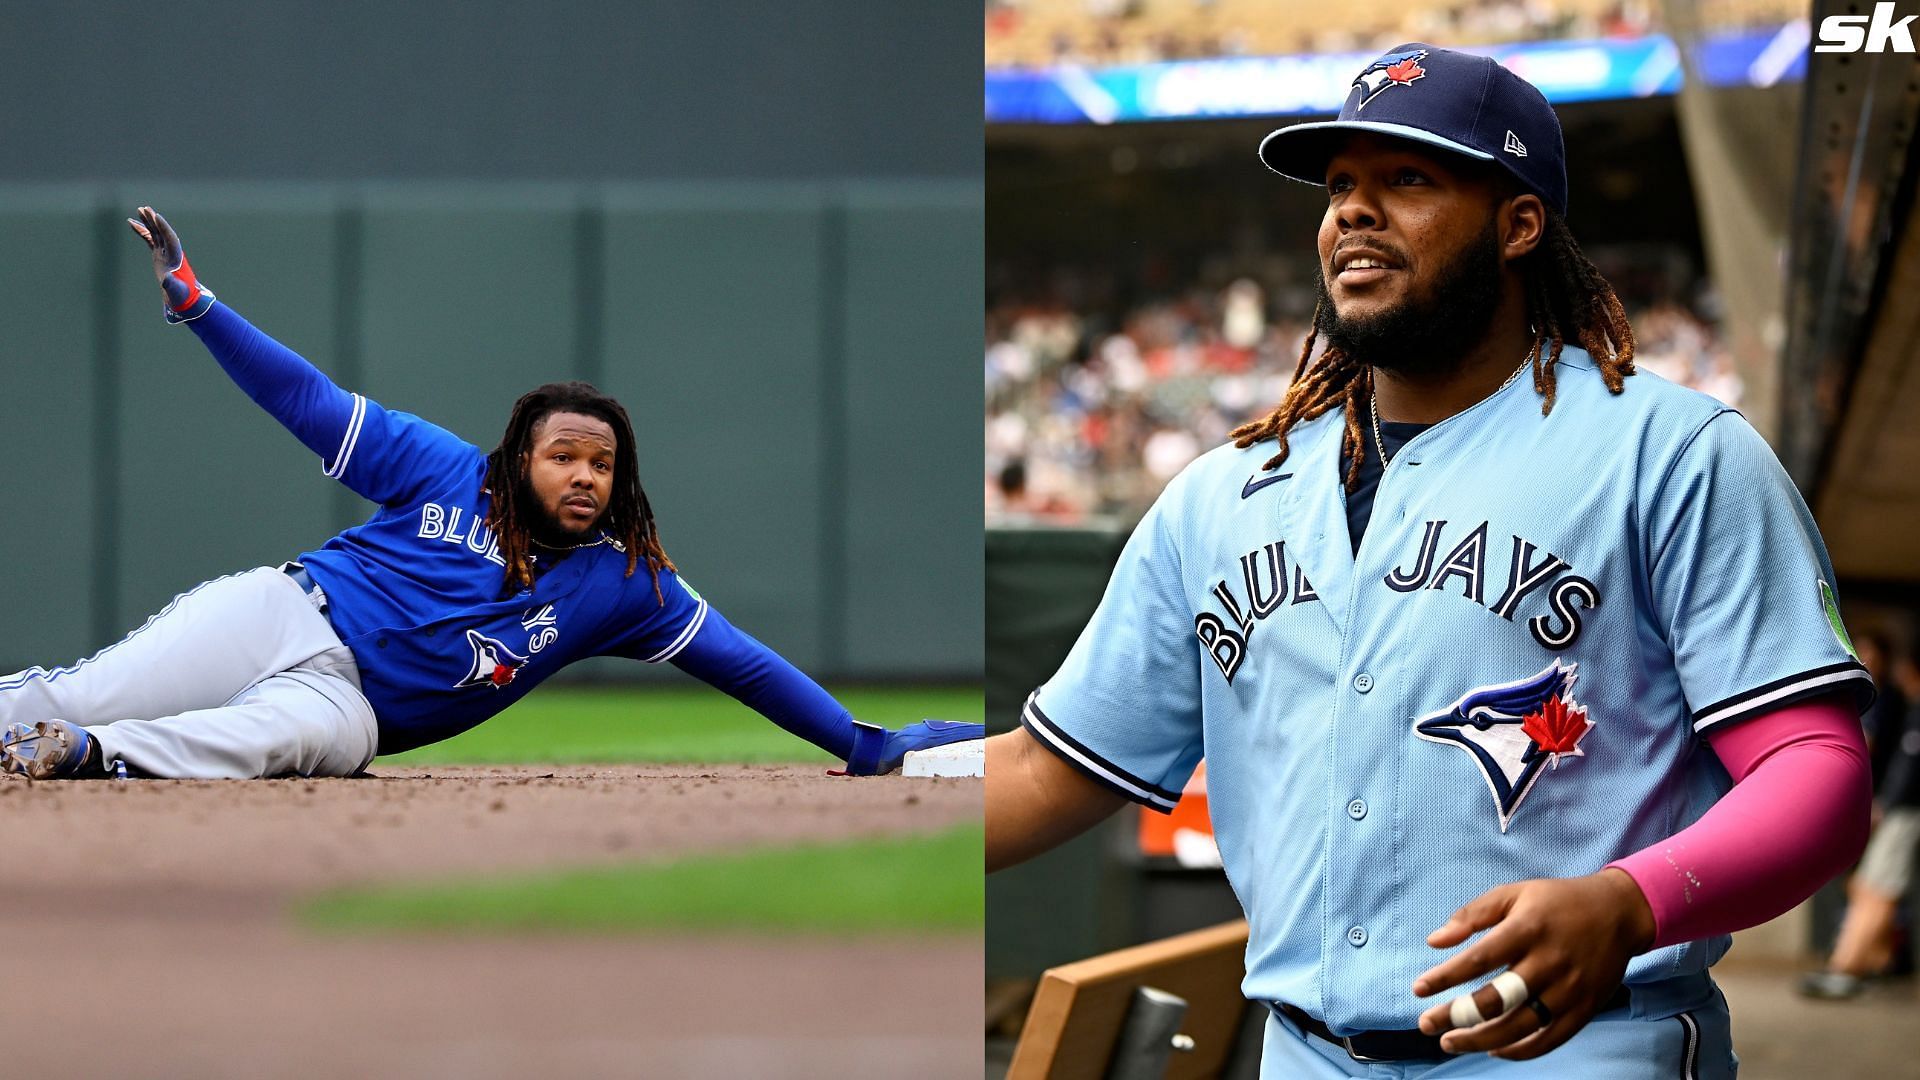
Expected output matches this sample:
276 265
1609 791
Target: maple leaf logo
502 675
1556 728
1393 69
1406 71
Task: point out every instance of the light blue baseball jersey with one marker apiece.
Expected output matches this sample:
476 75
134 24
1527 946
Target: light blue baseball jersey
1509 679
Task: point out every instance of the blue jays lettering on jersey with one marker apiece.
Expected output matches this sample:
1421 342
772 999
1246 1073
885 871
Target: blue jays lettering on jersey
1506 680
415 590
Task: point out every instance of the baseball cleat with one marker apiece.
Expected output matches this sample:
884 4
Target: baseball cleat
877 751
48 750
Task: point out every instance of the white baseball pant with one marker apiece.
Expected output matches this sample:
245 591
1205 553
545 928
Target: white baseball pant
236 679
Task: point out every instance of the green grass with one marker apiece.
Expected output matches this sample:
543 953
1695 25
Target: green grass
695 724
903 885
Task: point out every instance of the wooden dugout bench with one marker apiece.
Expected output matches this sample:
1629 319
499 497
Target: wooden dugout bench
1080 1011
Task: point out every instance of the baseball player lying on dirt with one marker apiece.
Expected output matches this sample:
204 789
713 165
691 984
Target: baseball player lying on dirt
479 576
1519 676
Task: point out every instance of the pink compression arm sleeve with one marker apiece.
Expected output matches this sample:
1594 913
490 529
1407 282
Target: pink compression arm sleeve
1797 815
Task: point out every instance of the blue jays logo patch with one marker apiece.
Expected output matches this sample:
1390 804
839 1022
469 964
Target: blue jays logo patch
494 664
1514 731
1393 69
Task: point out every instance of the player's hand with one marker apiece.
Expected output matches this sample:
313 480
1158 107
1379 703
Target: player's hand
877 751
1569 938
187 299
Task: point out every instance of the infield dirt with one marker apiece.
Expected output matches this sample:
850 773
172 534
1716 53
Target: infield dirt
151 930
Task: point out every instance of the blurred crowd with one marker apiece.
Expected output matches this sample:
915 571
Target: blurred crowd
1033 33
1094 401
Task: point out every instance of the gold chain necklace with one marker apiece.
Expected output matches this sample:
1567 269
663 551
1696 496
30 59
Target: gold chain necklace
604 538
1373 404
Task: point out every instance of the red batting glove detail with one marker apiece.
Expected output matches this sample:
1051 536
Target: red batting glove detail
184 275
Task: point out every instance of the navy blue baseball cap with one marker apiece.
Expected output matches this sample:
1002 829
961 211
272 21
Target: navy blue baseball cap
1456 101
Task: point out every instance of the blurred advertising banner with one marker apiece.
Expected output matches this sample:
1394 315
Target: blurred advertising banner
1566 71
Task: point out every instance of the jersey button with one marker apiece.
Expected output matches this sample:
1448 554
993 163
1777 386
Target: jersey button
1363 682
1357 809
1357 936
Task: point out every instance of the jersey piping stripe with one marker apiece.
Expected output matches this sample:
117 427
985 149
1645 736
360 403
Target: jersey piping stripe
1690 1064
1092 764
1779 693
32 673
686 635
349 439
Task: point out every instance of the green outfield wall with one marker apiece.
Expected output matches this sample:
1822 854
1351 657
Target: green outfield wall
800 361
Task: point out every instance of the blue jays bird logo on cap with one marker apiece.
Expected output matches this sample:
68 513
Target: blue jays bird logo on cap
494 664
1514 731
1393 69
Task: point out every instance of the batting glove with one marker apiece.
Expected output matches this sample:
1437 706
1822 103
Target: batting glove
187 299
877 751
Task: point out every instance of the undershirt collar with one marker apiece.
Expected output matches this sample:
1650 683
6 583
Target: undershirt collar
1360 499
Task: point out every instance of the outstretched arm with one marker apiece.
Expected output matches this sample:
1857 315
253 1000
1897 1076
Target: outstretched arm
388 456
278 379
1036 801
727 658
723 656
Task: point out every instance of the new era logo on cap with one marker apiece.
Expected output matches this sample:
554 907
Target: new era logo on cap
1463 103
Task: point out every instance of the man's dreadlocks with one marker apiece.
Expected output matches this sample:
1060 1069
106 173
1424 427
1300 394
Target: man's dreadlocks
1566 296
629 518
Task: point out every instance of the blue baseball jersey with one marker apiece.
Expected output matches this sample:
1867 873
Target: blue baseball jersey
1508 680
415 592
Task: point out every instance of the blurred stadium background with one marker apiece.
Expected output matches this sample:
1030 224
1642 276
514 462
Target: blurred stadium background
1149 285
761 235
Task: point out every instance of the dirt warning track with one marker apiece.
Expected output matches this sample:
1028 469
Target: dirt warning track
156 918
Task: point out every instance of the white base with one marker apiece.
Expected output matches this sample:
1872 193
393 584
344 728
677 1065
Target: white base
954 759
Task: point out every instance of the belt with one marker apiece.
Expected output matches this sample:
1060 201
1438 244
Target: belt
1411 1045
300 577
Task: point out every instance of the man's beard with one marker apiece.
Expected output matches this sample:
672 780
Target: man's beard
1424 335
547 530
